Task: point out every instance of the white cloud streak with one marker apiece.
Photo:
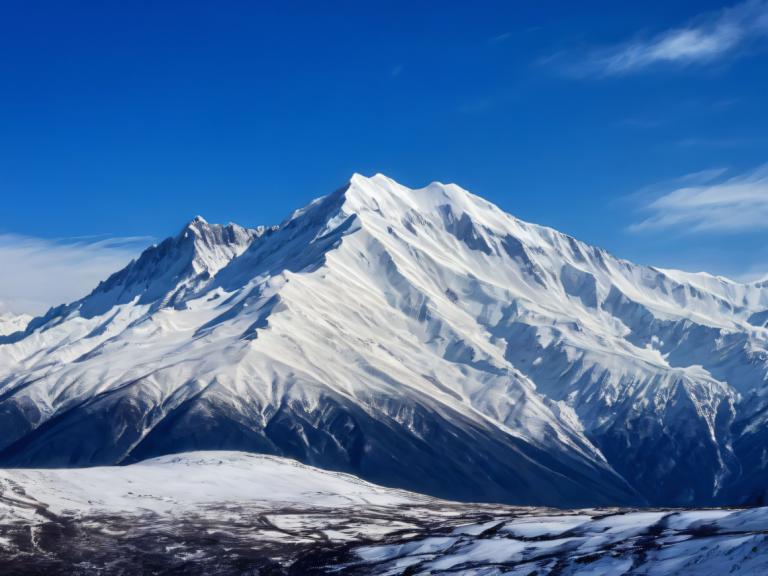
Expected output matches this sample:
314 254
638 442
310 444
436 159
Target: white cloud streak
707 202
38 273
706 38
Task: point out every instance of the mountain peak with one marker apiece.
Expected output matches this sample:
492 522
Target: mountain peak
357 177
384 189
196 222
11 323
172 267
448 206
433 194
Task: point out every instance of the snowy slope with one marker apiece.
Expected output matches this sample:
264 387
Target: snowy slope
418 338
10 323
176 484
660 543
237 513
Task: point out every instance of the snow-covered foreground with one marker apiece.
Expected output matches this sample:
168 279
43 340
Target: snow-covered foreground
237 513
662 542
175 484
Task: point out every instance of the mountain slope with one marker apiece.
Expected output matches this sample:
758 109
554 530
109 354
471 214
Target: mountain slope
11 323
418 338
237 513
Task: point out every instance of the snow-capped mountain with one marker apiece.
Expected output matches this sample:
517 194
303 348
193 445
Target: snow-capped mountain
422 339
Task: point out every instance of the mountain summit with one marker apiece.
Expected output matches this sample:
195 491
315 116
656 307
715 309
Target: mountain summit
422 339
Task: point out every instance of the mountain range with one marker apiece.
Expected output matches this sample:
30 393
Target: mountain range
421 339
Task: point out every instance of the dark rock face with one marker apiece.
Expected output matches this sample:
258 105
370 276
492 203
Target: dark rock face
399 445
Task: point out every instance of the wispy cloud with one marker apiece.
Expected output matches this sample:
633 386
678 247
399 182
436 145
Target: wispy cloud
39 273
706 38
719 143
709 202
755 273
499 38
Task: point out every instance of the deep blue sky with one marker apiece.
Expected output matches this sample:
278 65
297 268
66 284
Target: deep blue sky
128 118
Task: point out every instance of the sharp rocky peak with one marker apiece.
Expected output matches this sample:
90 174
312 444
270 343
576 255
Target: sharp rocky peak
177 264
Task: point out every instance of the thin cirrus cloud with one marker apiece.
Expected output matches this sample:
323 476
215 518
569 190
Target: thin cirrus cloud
704 39
710 202
40 273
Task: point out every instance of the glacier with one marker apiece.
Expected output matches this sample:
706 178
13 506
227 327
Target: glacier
421 339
